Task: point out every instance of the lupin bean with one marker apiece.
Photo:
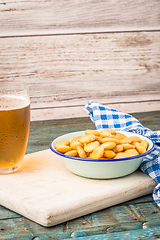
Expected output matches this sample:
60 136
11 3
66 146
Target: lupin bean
63 146
108 145
111 130
118 148
75 142
110 139
95 132
87 138
140 148
97 153
132 152
144 143
122 155
91 146
72 153
81 152
109 154
120 136
127 146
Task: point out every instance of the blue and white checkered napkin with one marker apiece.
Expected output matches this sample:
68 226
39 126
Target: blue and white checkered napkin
105 117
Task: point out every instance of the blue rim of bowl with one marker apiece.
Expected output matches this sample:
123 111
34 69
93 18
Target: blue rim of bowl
103 160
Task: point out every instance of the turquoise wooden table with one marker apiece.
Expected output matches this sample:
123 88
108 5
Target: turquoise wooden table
135 219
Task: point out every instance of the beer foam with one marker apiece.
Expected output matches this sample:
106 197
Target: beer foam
11 102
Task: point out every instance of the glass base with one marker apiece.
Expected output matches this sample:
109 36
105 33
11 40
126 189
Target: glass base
9 170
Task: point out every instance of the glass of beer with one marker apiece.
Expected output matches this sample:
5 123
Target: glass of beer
14 125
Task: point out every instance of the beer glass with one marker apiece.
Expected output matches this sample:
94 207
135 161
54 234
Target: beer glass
14 125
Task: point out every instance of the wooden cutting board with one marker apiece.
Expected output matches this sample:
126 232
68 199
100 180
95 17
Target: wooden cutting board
44 191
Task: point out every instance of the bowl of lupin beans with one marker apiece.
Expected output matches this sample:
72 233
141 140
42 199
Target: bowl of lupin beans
102 154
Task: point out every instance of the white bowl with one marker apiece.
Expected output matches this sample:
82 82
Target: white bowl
101 168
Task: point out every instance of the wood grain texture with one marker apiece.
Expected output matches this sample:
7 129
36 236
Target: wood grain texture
20 17
124 220
63 73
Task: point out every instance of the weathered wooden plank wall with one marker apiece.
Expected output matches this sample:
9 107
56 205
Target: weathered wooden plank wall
67 16
70 52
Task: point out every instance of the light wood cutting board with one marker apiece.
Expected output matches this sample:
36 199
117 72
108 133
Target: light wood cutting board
44 191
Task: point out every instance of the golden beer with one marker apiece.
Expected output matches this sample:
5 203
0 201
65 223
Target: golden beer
14 131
